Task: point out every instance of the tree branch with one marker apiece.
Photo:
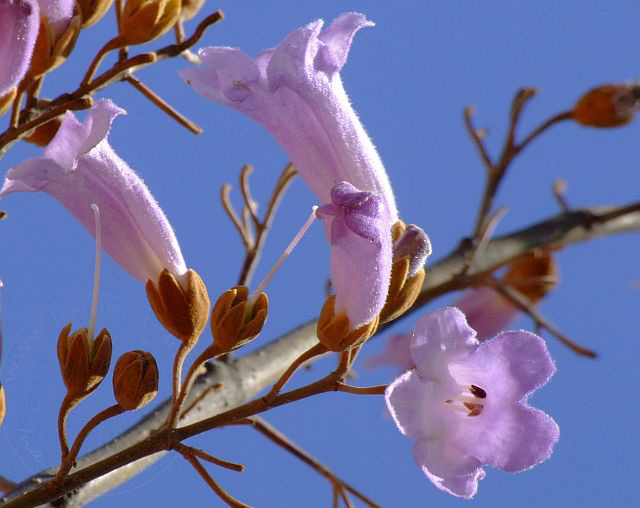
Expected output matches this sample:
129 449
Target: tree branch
243 378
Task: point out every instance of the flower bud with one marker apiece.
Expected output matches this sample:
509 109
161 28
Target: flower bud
232 323
334 331
411 248
533 276
607 105
144 20
7 100
43 134
135 380
52 49
182 309
3 404
83 362
93 10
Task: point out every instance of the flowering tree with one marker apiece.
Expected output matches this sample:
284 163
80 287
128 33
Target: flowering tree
461 391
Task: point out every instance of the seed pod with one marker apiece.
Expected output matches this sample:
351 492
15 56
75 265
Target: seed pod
607 106
144 20
3 404
51 50
183 312
83 363
43 134
533 276
334 331
135 380
411 249
7 100
190 8
232 323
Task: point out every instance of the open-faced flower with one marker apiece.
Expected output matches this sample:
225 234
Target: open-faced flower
465 402
79 168
19 22
357 226
296 93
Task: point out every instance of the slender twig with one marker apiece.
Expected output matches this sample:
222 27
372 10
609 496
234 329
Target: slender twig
206 392
164 105
250 204
247 241
559 189
115 43
232 466
362 390
69 459
178 397
221 493
317 350
521 301
484 236
68 403
15 111
6 485
262 227
283 441
80 98
474 133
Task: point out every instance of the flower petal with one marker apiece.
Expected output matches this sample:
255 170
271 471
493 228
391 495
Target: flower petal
448 468
58 13
397 353
19 22
487 312
440 337
338 38
516 437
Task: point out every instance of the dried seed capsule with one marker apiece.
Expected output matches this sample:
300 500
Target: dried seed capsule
144 20
93 10
607 106
334 331
51 48
135 380
183 309
233 323
83 362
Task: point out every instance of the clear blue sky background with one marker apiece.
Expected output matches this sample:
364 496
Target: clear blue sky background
408 78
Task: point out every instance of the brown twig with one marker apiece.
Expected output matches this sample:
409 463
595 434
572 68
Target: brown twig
521 301
245 234
178 397
274 435
68 403
511 148
262 227
232 466
362 390
559 190
484 236
164 105
115 43
220 492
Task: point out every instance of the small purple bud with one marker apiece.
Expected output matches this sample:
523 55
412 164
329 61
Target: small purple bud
414 243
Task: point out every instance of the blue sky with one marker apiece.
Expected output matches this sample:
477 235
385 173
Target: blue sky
408 78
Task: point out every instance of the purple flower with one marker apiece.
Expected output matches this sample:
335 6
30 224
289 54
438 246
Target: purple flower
296 93
19 22
58 14
356 224
79 168
465 403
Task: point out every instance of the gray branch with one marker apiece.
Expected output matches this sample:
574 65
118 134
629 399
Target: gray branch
225 386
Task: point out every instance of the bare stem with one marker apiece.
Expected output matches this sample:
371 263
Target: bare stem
277 437
178 398
222 494
363 390
68 403
164 106
232 466
69 460
114 43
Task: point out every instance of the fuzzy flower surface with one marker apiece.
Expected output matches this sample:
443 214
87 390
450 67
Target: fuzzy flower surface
465 402
356 224
79 168
19 22
296 93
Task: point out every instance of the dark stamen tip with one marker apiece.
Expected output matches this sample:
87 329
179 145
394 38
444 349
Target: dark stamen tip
476 391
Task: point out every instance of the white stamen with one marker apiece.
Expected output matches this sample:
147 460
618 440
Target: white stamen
281 259
96 273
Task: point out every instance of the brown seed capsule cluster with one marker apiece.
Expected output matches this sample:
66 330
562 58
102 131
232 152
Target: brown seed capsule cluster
183 309
190 8
607 106
144 20
83 362
233 323
3 405
411 247
334 331
135 380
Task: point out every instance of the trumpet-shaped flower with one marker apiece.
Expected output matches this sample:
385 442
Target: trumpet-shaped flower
296 93
79 168
357 226
19 22
465 402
